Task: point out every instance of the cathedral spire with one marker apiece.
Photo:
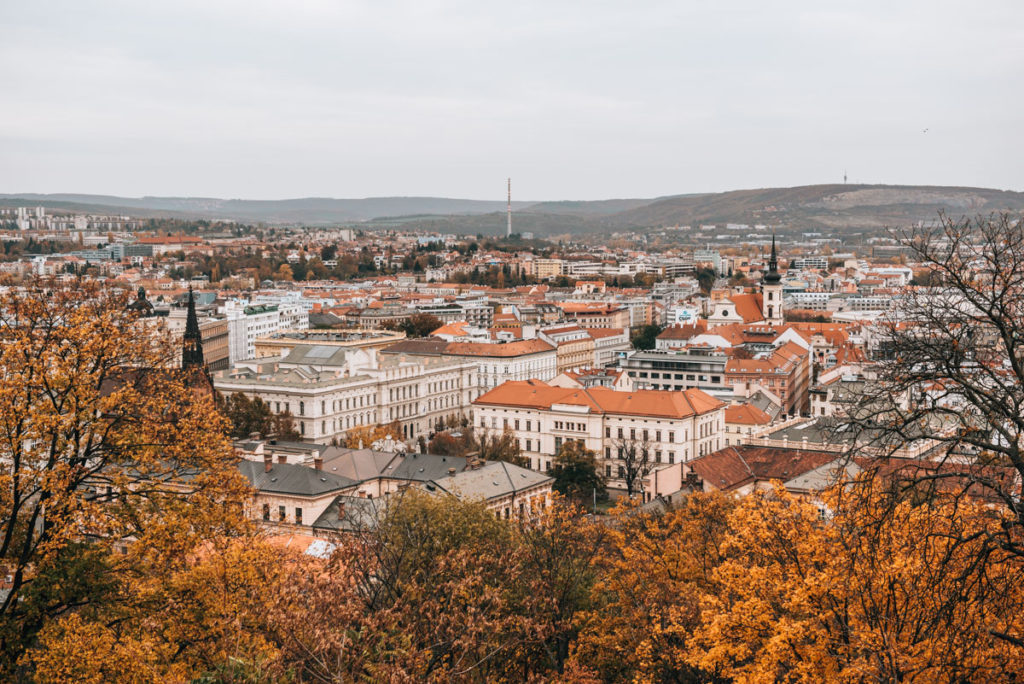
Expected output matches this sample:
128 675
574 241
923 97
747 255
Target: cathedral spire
773 276
192 347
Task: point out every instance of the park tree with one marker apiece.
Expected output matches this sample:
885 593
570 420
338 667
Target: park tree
878 592
104 444
646 600
950 372
576 473
285 273
366 435
253 415
495 446
420 325
645 336
636 460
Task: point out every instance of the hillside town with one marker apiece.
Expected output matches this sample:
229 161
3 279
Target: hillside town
685 369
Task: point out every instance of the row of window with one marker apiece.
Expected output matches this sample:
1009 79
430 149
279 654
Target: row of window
404 392
281 515
348 404
692 377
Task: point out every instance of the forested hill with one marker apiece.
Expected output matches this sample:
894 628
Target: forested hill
829 207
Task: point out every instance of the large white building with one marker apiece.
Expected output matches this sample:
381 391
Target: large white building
672 426
247 322
329 390
500 363
495 363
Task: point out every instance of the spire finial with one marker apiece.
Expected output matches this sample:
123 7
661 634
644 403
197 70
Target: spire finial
192 342
773 265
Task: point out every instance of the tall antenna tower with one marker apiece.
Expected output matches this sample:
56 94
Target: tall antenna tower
508 228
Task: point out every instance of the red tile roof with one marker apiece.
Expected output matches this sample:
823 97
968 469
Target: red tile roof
658 403
508 349
748 306
733 467
746 414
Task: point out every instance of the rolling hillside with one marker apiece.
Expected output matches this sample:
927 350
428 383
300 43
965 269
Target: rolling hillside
829 207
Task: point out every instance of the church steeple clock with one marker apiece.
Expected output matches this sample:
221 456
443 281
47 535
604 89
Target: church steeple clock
771 291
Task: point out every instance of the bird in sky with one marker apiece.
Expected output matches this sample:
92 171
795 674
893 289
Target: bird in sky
925 130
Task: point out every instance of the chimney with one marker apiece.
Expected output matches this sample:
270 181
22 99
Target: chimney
281 458
268 463
451 471
254 436
318 463
341 510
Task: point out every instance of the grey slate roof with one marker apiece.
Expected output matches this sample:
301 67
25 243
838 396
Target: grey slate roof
425 346
360 464
359 514
425 467
316 355
292 479
492 480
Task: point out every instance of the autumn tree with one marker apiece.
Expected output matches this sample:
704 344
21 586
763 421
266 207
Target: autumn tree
635 461
285 273
427 593
366 435
253 415
439 589
949 375
644 336
420 325
576 473
860 595
495 446
104 444
646 601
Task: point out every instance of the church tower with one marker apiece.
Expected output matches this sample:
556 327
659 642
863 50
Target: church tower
192 348
771 291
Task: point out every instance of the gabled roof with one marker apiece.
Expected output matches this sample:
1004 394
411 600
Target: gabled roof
598 333
748 306
506 350
683 332
493 480
359 464
745 414
292 479
733 467
657 403
455 329
423 467
351 514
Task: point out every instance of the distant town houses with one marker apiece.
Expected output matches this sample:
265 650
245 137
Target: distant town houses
701 348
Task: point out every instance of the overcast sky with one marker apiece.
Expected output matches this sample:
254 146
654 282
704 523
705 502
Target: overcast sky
574 100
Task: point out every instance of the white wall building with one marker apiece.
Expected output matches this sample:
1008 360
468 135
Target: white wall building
329 391
674 426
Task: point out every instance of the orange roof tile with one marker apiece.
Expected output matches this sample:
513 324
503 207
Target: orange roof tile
657 403
746 414
508 349
748 306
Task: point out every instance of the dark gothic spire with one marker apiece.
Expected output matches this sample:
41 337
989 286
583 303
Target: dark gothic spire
773 277
192 349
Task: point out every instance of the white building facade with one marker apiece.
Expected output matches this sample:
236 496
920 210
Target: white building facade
674 427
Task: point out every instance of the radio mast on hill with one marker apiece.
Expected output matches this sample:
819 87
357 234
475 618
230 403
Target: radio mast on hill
508 228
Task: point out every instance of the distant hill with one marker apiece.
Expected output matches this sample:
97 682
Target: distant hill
828 206
834 207
303 210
